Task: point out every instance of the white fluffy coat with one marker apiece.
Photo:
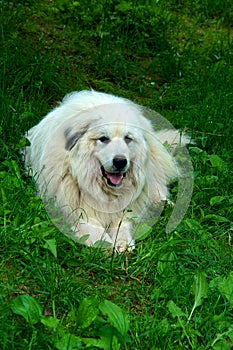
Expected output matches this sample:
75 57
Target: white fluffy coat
99 161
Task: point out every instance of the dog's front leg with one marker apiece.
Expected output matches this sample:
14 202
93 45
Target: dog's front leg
122 237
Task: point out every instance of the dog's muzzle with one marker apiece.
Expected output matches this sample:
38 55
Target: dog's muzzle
117 172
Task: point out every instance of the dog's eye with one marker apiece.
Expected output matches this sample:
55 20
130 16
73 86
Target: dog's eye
128 139
104 139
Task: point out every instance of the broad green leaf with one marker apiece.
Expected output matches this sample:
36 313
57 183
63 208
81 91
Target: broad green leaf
175 310
165 263
210 179
217 162
67 341
49 321
142 231
51 245
83 239
109 336
197 150
222 345
219 342
27 307
216 218
87 311
192 224
214 284
110 343
22 143
225 286
106 343
115 344
117 317
216 200
230 334
199 289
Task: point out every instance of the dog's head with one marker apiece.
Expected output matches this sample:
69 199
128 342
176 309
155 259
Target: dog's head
107 146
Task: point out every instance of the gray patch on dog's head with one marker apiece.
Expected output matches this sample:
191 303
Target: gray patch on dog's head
72 139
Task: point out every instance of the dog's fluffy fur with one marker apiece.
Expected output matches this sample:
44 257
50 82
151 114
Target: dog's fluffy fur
97 157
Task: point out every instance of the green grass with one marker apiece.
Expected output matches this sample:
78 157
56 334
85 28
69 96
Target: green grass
176 290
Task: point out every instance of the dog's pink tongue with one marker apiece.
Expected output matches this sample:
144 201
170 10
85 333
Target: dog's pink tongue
115 178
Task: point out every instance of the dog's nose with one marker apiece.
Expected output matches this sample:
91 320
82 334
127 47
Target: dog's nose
119 162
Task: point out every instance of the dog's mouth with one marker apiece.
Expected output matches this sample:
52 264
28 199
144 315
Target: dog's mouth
113 179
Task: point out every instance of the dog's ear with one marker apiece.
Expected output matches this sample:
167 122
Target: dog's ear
72 137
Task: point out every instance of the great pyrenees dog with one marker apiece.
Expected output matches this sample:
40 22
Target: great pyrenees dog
99 166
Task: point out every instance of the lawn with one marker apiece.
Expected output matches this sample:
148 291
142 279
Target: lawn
175 291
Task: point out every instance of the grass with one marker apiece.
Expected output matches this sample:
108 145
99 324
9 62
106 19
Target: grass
176 290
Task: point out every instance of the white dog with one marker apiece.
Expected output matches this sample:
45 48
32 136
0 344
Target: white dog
98 160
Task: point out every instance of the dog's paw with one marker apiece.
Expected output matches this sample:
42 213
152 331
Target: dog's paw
122 246
91 235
